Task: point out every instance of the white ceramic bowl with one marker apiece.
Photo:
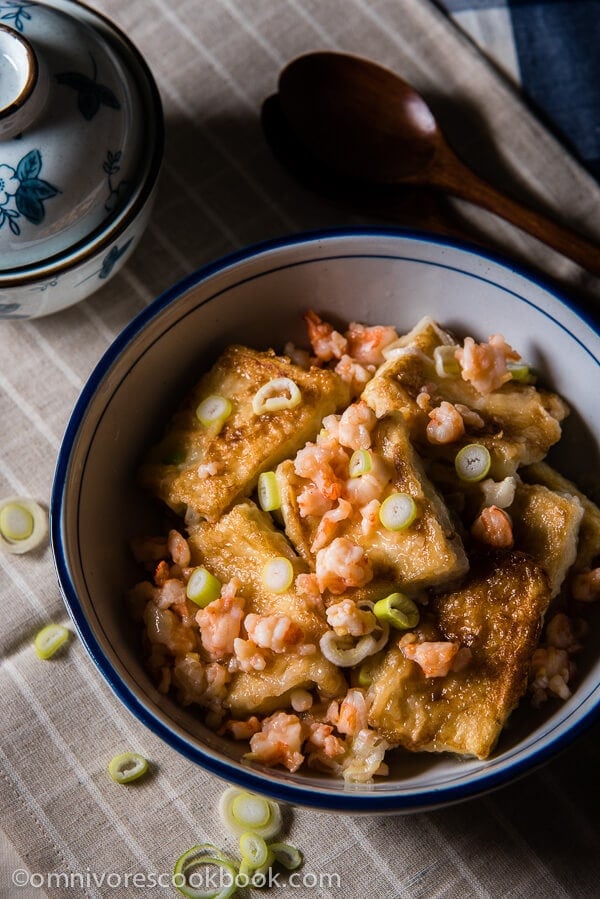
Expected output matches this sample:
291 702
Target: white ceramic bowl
81 143
257 296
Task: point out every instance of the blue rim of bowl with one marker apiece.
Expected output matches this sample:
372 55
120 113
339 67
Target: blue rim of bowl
232 771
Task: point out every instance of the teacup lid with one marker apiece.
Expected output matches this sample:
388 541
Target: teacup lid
71 130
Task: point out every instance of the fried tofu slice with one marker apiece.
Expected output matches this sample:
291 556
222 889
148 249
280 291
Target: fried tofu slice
427 553
497 613
520 422
239 545
588 545
546 525
206 469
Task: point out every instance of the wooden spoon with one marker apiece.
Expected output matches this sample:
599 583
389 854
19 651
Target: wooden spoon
367 123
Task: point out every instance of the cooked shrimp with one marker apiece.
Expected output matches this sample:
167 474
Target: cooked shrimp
322 739
342 564
345 617
149 549
365 759
301 700
189 678
279 742
423 400
161 573
179 549
307 585
355 426
242 730
327 343
163 626
550 673
220 623
326 465
248 656
366 343
217 678
435 658
172 592
353 373
328 524
362 490
561 633
445 424
276 632
370 517
354 714
312 502
586 585
493 526
484 364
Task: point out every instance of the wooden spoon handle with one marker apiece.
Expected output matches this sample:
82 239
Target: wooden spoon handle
455 178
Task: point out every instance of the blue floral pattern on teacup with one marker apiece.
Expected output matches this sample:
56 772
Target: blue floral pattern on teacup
22 192
16 12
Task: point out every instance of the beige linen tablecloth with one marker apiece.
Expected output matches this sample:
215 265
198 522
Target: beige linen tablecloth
215 61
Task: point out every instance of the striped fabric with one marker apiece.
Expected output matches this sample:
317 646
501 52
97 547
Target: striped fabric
215 62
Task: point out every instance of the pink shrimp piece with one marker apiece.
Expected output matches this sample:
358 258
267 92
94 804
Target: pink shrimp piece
327 343
367 487
353 373
215 694
312 502
298 356
345 617
550 673
355 426
434 658
179 549
586 585
423 400
366 344
354 714
484 364
279 742
248 656
322 739
275 632
342 564
163 626
189 678
493 526
171 592
445 424
242 730
328 524
326 465
220 622
370 517
560 632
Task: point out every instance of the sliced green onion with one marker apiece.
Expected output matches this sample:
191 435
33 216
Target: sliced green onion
365 674
360 463
127 766
276 394
472 462
188 873
214 411
278 574
398 610
203 587
255 877
398 511
254 849
446 363
269 497
336 649
243 811
521 372
23 524
286 855
49 640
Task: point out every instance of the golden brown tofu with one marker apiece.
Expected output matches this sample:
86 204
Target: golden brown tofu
239 545
205 469
588 546
426 553
520 422
546 526
497 613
